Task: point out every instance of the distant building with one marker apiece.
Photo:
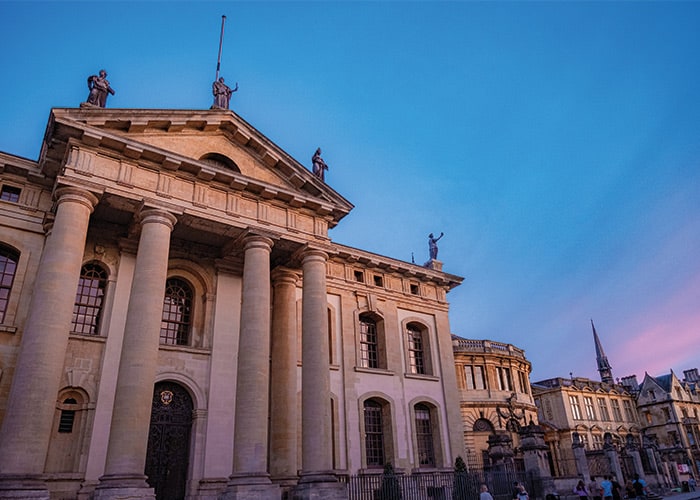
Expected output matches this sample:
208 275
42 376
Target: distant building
588 409
495 398
174 315
669 410
578 412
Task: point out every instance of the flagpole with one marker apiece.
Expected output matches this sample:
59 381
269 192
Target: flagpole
221 43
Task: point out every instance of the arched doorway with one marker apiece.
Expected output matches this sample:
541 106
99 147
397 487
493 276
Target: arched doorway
167 458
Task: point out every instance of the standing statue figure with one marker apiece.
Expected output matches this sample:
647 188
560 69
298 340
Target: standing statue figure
319 166
222 93
432 245
99 87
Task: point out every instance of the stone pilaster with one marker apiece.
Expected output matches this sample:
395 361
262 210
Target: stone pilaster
317 478
250 478
283 386
26 426
128 440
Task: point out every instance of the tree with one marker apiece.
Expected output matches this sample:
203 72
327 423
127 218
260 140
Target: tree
459 486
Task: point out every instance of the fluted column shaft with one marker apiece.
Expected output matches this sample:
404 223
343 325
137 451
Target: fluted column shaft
26 426
126 453
283 386
252 388
315 378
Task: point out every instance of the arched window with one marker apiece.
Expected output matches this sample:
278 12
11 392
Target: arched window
8 268
89 299
374 433
177 313
219 160
424 436
418 345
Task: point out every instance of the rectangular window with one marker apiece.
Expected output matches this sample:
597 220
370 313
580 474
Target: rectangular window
628 410
374 435
588 404
615 405
603 407
10 193
474 377
415 290
522 378
378 281
415 351
368 345
597 442
424 437
575 408
503 379
65 424
359 276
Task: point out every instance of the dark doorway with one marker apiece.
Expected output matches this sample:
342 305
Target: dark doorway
168 453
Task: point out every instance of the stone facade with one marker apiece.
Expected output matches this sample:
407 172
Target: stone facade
495 398
669 412
219 344
580 413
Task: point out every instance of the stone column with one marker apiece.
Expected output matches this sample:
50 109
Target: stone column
250 478
579 449
317 478
283 386
26 426
131 417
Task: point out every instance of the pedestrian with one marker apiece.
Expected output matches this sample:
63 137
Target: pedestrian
606 488
581 490
485 495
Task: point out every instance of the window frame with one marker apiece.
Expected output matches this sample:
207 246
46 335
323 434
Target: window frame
175 336
8 257
92 312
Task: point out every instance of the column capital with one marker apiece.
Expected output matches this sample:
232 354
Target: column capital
309 254
283 275
76 195
257 241
157 215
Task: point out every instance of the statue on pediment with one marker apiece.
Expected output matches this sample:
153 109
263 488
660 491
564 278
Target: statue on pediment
99 88
319 166
222 94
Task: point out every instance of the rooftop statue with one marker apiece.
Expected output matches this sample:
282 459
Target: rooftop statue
99 88
222 94
432 245
319 166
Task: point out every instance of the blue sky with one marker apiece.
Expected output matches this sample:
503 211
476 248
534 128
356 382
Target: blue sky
556 144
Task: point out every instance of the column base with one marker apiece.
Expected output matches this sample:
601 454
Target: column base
123 487
212 488
252 492
19 486
320 490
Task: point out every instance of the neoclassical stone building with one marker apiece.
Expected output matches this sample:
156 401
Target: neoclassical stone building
175 317
495 398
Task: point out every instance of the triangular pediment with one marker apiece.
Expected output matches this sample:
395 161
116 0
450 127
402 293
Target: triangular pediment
211 145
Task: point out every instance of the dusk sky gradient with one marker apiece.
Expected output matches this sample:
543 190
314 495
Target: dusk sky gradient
556 144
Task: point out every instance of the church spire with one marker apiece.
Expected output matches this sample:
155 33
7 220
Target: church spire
603 365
